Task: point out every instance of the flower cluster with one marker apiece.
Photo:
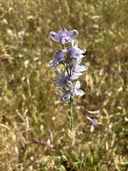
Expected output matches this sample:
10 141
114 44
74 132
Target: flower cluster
70 58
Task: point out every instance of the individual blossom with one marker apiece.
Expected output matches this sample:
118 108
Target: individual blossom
76 52
66 92
59 57
63 36
66 95
62 78
76 69
93 121
71 92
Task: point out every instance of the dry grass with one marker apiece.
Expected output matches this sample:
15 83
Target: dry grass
28 105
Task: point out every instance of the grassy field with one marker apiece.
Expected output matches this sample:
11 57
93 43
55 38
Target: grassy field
29 107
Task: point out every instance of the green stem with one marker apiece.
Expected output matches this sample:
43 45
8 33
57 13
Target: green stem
70 113
70 116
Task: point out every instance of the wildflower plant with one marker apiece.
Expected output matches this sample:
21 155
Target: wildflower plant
70 58
68 69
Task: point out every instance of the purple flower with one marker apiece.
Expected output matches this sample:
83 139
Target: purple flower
64 36
93 121
59 57
70 91
77 91
75 51
70 58
61 81
76 69
66 95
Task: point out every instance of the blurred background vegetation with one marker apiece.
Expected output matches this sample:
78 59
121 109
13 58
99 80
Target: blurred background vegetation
28 105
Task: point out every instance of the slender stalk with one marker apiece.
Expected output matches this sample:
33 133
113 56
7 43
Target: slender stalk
70 113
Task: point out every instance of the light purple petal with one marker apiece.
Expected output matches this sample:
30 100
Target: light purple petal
77 85
59 54
80 92
96 112
75 76
62 78
80 68
78 61
53 63
63 36
69 85
54 36
76 52
77 92
59 57
63 32
73 34
66 96
93 121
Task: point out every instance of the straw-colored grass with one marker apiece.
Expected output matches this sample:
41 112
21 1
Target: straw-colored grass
28 106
